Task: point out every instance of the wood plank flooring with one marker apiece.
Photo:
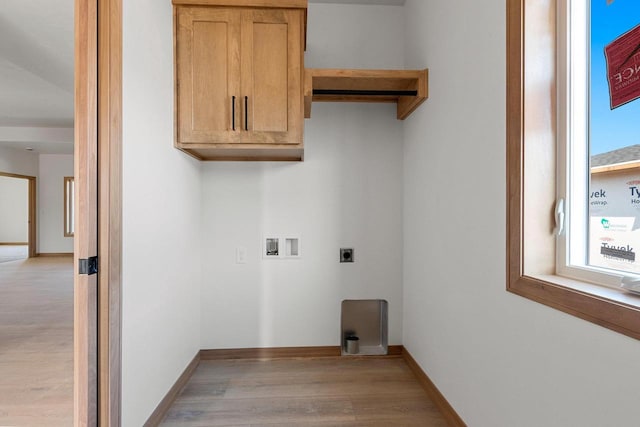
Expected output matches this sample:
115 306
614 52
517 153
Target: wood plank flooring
331 391
36 342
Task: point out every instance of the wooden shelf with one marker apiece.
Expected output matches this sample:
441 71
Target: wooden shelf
407 88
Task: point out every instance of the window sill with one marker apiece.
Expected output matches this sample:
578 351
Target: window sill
619 296
614 309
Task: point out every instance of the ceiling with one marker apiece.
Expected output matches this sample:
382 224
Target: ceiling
36 74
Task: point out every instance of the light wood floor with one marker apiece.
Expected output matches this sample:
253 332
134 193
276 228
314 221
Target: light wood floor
341 391
36 342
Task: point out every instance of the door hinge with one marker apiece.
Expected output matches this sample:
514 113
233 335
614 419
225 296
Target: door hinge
88 266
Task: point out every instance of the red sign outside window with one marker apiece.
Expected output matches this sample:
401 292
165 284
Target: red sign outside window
623 67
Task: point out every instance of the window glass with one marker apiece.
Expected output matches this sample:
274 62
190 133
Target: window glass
614 135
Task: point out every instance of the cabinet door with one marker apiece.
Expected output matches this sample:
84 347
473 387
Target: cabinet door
272 67
208 74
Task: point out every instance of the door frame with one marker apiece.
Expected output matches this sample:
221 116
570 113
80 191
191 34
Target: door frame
33 227
110 210
97 166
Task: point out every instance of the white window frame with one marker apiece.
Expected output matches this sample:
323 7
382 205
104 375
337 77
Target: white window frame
573 156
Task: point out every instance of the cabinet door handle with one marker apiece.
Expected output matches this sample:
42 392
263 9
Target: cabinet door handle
233 113
246 113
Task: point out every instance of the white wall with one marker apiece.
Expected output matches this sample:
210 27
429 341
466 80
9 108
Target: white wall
52 170
14 215
347 193
161 219
352 36
501 360
20 162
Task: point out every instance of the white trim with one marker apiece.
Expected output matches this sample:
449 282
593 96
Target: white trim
573 154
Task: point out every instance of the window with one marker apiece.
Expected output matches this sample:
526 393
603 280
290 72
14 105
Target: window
537 118
599 87
69 210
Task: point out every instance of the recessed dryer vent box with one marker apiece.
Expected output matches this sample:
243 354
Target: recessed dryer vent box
367 320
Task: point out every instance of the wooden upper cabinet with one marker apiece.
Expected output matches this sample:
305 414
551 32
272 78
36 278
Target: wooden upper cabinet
239 78
208 69
272 76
